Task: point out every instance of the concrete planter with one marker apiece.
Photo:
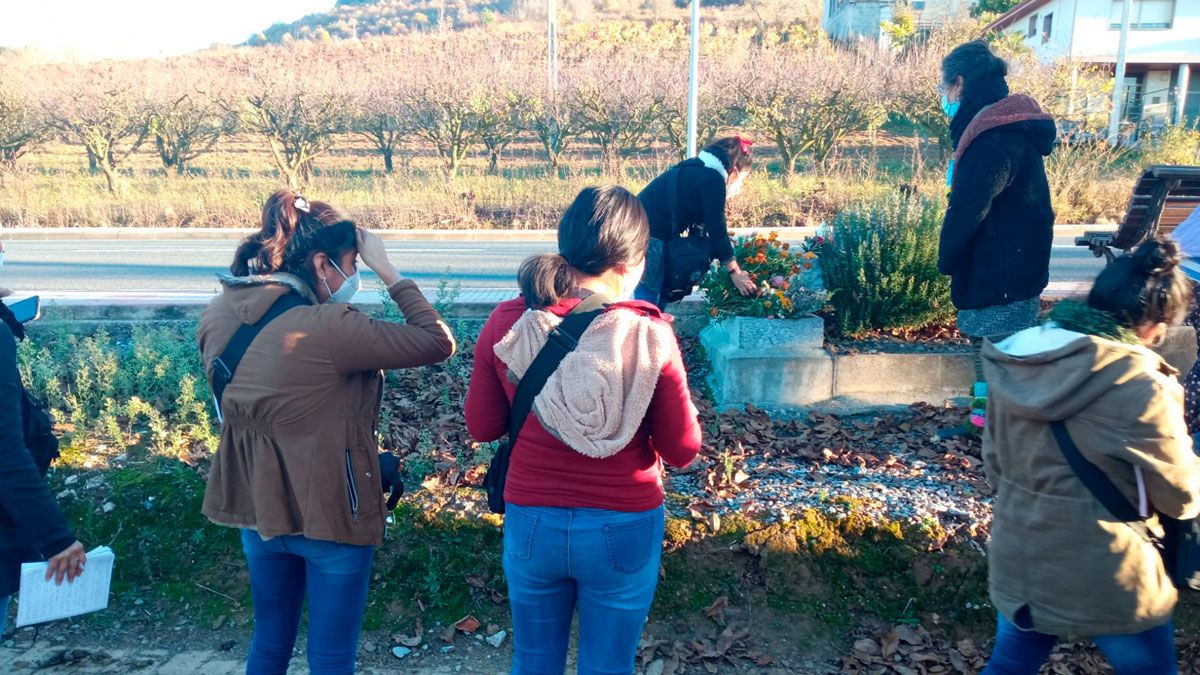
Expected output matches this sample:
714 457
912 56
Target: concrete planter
768 362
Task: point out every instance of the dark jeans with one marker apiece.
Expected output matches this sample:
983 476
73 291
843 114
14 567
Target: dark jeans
605 563
334 577
1019 652
3 614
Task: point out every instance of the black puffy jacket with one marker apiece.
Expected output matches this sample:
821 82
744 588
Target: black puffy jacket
32 527
999 227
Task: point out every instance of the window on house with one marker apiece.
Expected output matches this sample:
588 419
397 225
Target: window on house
1032 26
1047 27
1144 14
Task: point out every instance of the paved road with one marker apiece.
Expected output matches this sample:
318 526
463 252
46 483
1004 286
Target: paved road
140 266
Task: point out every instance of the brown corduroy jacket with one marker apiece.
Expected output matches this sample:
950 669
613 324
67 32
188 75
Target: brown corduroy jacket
298 452
1059 562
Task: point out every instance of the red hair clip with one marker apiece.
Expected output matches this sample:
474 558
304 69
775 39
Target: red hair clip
745 144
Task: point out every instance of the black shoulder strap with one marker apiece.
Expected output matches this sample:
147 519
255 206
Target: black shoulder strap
1096 481
227 363
562 341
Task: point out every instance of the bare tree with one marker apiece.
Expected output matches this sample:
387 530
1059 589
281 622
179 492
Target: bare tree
378 112
443 108
22 126
293 98
503 113
807 103
619 107
101 108
718 108
185 120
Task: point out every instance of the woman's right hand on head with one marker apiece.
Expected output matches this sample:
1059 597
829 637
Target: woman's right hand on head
374 256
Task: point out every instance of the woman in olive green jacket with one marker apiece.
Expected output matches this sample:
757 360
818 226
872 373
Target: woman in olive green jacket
1059 563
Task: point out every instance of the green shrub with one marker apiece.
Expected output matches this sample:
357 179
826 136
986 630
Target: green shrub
880 264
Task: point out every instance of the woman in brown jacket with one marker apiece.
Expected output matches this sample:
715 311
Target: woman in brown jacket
1059 563
298 468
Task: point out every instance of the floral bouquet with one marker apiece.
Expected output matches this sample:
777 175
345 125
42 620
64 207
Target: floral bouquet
787 279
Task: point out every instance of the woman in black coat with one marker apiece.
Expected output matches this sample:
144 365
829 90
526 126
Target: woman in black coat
32 528
999 227
692 196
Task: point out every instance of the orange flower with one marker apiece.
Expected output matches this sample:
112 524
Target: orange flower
810 255
786 246
774 236
767 304
714 311
808 266
786 286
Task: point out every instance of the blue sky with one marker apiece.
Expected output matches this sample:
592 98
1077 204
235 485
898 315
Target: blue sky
92 29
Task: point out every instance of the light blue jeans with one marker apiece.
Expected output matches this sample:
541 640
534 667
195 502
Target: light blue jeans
603 563
283 572
1022 652
3 614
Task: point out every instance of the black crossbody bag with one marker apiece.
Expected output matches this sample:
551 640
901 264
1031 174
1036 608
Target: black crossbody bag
562 341
1180 544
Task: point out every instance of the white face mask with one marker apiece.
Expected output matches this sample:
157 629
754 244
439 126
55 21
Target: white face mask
734 189
350 287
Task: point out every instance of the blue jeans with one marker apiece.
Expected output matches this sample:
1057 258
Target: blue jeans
605 563
1019 652
3 614
334 577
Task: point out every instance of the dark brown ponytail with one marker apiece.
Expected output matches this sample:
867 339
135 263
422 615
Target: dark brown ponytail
293 230
733 152
603 228
1144 288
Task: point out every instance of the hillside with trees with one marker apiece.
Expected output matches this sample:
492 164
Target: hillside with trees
357 19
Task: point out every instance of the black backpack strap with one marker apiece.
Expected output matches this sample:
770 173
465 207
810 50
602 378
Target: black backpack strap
226 364
1096 481
563 340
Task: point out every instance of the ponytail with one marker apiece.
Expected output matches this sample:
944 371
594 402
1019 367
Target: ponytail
546 280
293 230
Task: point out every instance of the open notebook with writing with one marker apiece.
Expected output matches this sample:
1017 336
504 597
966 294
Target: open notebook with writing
40 601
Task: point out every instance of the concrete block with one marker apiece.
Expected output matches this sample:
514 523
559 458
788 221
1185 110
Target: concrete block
768 376
875 374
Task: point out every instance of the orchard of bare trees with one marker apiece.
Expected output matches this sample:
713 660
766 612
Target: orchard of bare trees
477 93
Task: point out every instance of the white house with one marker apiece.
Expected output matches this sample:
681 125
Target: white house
849 21
1162 55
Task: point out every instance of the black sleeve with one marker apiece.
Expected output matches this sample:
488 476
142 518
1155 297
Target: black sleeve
23 493
981 174
712 205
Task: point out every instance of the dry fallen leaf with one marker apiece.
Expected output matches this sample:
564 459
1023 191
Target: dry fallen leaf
467 624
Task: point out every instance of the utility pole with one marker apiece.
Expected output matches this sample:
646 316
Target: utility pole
552 48
694 81
1114 120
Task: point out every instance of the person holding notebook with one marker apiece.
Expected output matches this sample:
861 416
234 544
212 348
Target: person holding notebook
32 528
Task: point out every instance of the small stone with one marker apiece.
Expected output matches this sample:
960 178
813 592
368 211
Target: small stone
139 602
108 507
71 480
497 639
401 652
656 667
369 647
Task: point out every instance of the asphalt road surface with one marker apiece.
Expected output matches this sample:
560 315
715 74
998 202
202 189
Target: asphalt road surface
171 266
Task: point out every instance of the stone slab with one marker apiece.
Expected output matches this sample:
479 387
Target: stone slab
856 374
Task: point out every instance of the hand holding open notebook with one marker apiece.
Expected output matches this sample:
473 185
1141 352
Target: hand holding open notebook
41 600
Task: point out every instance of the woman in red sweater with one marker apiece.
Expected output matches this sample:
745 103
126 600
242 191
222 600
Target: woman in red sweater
584 524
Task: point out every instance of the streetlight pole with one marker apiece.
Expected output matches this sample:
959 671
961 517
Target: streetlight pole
552 38
694 81
1114 120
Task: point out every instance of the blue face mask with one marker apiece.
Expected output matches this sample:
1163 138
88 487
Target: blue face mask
951 109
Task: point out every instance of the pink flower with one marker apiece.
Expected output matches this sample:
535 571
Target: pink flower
777 281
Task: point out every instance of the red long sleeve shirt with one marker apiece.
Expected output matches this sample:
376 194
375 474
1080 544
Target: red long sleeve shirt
544 471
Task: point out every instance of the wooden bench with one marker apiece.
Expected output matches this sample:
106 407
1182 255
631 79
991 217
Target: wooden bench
1163 197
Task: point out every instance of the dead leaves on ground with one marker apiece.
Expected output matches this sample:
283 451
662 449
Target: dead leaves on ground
912 650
